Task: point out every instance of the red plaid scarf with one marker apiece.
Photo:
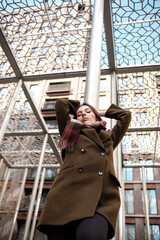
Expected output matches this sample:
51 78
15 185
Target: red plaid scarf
72 131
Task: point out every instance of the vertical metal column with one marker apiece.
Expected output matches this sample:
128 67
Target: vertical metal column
1 162
9 110
94 58
146 204
18 203
5 185
121 216
37 204
34 192
118 162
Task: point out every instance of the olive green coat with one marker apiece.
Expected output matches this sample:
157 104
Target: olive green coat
86 182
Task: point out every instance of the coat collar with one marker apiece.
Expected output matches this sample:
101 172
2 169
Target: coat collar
98 139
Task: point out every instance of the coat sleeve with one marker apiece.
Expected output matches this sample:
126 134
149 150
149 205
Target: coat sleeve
63 108
123 118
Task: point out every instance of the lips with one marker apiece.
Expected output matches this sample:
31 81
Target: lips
84 119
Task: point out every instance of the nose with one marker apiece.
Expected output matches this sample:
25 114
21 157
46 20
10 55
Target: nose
83 113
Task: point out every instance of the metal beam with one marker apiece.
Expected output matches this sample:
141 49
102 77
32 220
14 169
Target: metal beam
9 110
82 73
18 203
6 48
143 129
108 25
146 204
5 185
37 204
34 192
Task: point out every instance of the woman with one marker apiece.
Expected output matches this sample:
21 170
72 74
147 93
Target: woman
84 201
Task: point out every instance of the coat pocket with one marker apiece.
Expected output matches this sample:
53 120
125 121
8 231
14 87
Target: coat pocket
115 179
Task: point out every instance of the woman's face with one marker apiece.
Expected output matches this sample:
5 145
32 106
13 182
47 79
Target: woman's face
85 114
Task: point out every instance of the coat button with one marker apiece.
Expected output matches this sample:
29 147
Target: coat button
103 153
83 150
80 170
100 173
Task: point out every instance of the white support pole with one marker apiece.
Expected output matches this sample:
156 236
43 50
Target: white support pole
1 162
34 192
9 110
5 185
118 164
121 216
37 204
94 58
18 203
146 204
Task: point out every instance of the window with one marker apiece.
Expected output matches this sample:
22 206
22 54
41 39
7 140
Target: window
149 174
152 202
51 122
83 86
129 201
34 89
141 119
128 172
143 142
50 173
102 102
103 85
59 87
130 231
155 232
126 144
148 170
82 100
49 105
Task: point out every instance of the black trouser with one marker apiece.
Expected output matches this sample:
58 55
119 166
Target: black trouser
92 228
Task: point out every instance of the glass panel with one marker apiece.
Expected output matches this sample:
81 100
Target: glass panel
130 232
129 201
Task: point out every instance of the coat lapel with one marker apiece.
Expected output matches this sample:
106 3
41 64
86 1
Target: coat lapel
98 139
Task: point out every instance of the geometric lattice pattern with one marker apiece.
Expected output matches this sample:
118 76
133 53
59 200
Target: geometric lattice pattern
136 28
139 93
48 36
